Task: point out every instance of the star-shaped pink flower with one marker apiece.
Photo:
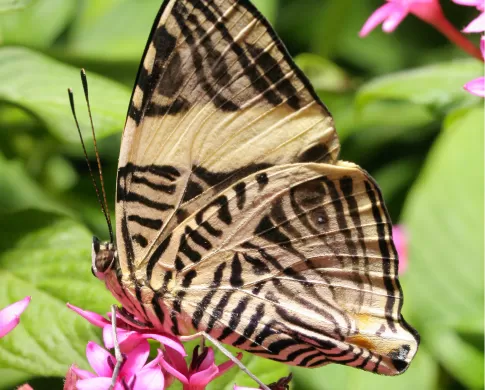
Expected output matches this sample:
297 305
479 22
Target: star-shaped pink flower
128 336
134 373
202 369
10 316
391 14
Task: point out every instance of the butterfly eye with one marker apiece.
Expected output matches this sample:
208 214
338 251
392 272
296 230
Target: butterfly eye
103 255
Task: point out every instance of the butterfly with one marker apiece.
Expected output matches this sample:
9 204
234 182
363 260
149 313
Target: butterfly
235 217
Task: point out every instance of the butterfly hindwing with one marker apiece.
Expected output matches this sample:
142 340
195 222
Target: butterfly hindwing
302 270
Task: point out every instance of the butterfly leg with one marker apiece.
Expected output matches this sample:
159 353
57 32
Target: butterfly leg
235 360
220 347
118 355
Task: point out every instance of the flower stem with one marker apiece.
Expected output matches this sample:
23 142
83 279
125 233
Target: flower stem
455 36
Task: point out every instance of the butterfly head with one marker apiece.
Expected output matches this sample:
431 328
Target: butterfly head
103 258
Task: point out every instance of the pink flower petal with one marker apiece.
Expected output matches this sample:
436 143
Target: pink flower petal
82 374
136 359
174 371
25 387
202 378
377 17
167 341
476 87
93 318
98 359
149 379
477 25
155 362
10 316
394 19
127 339
177 361
208 360
94 384
470 3
482 46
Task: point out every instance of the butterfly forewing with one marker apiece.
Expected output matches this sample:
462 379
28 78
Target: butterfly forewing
234 216
217 97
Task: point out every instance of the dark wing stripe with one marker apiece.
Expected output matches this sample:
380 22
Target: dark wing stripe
154 224
168 189
252 325
236 316
236 272
134 197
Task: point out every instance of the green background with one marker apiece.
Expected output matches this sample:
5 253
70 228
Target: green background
400 112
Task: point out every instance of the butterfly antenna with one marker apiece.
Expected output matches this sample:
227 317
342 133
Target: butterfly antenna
98 160
103 206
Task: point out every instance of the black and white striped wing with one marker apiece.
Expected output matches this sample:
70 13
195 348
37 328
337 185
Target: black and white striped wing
299 267
217 97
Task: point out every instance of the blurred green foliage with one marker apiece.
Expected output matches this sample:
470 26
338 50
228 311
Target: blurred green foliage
400 111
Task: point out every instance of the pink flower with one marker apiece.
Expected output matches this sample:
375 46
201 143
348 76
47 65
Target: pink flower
400 238
25 387
477 86
202 369
478 24
394 12
128 336
10 316
134 373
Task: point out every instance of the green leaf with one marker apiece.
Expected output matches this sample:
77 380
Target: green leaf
44 93
47 258
19 192
115 34
462 359
11 5
438 86
444 215
37 23
323 74
422 375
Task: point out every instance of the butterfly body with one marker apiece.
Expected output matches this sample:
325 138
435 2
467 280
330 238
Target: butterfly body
235 216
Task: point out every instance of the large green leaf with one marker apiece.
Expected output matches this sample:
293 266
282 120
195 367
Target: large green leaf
47 258
115 34
19 192
11 5
438 86
444 215
36 23
39 84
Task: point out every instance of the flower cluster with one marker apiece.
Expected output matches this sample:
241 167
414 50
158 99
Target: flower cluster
136 373
391 14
